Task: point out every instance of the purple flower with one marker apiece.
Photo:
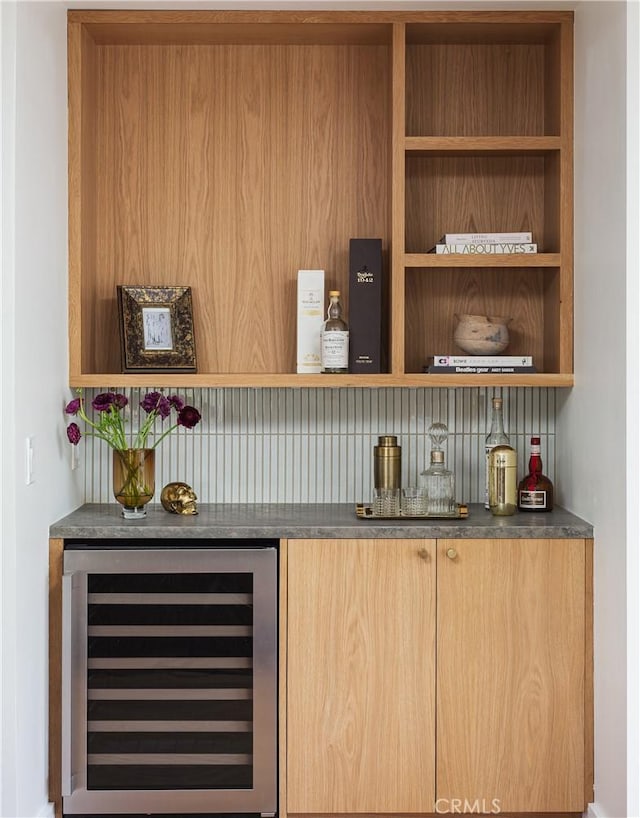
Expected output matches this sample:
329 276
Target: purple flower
103 402
188 417
109 423
73 407
163 408
150 401
156 402
176 401
73 433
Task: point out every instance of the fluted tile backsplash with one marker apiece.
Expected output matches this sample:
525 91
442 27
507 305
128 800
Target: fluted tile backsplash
316 445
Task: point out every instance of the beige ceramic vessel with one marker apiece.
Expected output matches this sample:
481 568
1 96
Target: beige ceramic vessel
482 334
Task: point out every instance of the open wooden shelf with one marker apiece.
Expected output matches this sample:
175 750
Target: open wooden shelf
226 150
497 260
498 145
410 379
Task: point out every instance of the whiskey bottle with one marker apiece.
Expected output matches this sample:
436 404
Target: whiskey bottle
334 339
496 437
535 491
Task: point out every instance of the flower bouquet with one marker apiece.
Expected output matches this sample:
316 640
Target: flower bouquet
133 456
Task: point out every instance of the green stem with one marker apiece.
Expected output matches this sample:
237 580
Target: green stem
133 488
164 434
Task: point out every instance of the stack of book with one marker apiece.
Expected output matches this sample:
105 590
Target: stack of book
480 364
485 243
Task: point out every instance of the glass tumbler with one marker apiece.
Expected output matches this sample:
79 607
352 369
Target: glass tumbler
386 502
414 501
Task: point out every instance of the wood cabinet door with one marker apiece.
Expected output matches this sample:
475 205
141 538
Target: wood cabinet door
511 675
360 676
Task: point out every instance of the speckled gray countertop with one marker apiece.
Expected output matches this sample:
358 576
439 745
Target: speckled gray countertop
104 521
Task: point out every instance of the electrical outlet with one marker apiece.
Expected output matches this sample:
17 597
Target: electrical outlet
29 473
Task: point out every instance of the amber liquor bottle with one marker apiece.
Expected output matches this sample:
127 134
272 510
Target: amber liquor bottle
535 491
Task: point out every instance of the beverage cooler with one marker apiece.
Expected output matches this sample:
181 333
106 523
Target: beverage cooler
170 678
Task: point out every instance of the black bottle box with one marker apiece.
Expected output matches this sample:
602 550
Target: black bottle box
365 306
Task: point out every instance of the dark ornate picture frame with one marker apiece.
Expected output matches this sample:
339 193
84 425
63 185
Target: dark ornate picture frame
156 329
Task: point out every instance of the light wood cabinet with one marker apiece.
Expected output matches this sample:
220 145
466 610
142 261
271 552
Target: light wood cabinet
226 150
511 673
361 676
407 698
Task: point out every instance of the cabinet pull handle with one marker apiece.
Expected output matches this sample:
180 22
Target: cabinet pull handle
452 553
423 553
67 619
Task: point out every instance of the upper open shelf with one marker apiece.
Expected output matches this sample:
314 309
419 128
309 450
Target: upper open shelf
226 150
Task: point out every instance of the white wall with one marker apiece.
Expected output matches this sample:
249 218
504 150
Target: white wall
7 492
34 351
633 409
591 417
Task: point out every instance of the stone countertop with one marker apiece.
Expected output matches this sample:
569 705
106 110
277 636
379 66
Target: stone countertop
299 520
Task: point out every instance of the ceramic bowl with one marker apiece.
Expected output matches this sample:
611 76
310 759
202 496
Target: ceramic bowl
482 334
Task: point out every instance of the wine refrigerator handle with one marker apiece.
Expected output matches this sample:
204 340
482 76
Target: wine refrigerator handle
67 613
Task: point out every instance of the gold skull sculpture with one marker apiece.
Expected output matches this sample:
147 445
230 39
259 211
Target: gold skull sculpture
179 498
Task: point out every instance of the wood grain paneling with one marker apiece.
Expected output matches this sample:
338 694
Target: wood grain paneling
55 674
565 215
228 169
473 194
588 676
82 181
510 673
396 289
241 379
282 677
360 693
183 30
475 90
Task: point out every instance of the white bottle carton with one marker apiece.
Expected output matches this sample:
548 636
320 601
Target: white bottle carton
310 320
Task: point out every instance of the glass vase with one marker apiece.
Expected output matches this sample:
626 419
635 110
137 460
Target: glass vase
133 480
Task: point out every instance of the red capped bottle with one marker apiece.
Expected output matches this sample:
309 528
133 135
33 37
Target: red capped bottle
535 491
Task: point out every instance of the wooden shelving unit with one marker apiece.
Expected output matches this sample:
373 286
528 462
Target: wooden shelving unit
227 150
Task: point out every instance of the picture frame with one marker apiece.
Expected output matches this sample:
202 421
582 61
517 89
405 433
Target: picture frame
156 329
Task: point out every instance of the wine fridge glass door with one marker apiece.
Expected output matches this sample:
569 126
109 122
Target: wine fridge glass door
170 689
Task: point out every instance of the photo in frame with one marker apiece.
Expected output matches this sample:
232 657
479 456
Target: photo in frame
156 329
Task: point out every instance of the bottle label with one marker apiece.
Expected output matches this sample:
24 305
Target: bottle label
335 349
535 449
503 483
532 499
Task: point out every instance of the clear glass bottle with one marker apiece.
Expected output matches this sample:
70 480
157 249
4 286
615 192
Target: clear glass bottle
437 482
334 338
496 437
535 491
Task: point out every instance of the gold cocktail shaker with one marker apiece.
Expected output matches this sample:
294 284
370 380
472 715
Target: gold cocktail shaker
387 459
